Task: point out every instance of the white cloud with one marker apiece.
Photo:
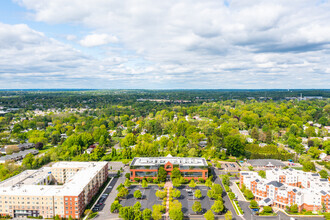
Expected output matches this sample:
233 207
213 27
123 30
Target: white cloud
210 43
97 40
71 37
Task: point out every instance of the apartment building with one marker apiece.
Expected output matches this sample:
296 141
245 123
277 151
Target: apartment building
64 189
283 188
190 168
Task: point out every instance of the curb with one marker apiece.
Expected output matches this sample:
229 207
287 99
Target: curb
99 197
301 216
239 190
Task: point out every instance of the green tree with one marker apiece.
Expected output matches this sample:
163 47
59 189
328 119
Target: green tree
197 206
324 174
175 193
147 214
137 194
255 133
176 182
162 174
326 215
175 173
28 161
299 148
226 180
126 213
262 173
228 215
176 213
127 183
248 194
267 209
294 208
198 194
137 205
161 194
157 212
314 152
253 204
209 215
144 184
208 183
308 166
123 192
137 214
215 192
218 206
310 132
293 141
326 146
192 184
115 206
234 145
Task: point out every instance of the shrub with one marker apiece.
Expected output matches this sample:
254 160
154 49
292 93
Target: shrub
267 209
231 195
294 208
253 204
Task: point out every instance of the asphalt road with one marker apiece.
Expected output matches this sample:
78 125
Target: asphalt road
225 197
104 212
248 215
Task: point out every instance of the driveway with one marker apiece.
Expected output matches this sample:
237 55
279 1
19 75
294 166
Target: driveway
248 215
104 213
234 188
225 197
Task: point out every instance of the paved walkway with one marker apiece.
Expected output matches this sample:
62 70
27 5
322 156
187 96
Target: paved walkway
234 188
168 185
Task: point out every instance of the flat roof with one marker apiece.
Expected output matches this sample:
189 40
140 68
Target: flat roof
25 183
155 161
265 162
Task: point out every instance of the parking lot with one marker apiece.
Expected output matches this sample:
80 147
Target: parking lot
148 196
187 199
230 166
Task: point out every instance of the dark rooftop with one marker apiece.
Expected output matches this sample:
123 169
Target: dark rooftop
266 162
275 183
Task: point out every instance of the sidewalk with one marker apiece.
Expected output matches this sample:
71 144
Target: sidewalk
234 188
168 186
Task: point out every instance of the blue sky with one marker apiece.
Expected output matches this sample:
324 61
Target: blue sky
188 44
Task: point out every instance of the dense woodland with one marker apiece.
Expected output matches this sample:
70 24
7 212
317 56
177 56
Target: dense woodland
118 127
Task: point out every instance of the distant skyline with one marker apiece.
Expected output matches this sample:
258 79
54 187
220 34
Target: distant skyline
188 44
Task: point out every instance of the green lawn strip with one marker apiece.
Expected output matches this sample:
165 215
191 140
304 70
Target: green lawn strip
304 213
238 210
268 214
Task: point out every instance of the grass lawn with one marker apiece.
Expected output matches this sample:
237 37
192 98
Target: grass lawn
46 148
267 214
239 211
304 213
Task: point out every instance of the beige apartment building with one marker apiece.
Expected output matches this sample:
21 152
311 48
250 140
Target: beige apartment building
63 189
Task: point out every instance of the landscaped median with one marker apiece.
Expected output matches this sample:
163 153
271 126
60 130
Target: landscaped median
232 197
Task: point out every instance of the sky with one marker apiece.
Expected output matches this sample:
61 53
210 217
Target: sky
151 44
